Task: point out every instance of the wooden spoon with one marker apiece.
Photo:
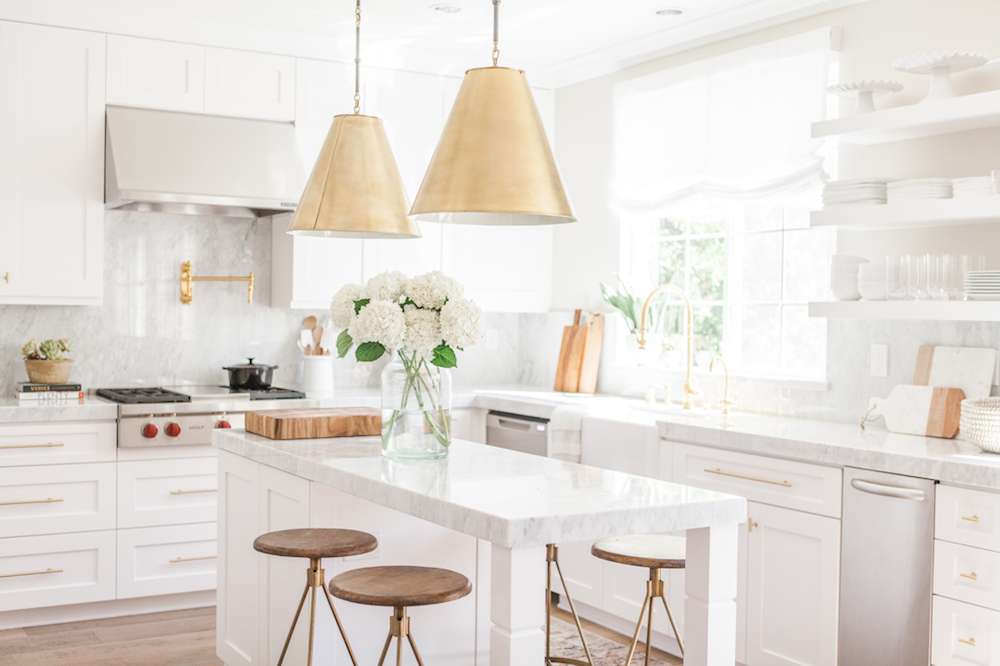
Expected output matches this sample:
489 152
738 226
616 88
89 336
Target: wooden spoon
317 336
309 323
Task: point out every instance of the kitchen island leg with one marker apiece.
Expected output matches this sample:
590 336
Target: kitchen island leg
517 606
710 585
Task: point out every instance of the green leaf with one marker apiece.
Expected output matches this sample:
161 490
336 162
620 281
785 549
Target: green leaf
444 357
360 304
344 343
369 351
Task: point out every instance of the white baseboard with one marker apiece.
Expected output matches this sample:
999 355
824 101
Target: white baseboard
34 617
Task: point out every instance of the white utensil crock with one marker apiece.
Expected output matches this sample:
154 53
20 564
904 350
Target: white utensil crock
317 376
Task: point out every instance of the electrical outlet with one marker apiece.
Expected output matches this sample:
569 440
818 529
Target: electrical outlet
492 339
880 360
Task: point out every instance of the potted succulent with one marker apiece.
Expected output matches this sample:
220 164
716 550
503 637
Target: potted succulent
45 363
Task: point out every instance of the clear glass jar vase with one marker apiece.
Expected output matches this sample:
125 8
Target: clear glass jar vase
416 408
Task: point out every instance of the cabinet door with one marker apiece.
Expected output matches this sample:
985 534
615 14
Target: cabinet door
155 74
249 85
51 165
793 574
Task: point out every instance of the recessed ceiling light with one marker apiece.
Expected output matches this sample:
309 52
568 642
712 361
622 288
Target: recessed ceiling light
446 9
670 11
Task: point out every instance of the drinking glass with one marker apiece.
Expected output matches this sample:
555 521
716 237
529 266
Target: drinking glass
937 276
895 278
916 281
953 276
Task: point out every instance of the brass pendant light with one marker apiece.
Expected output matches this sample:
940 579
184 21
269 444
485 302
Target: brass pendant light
493 164
354 190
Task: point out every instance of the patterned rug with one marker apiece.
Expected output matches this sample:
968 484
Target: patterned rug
566 643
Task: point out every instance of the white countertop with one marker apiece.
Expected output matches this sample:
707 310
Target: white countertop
89 409
508 498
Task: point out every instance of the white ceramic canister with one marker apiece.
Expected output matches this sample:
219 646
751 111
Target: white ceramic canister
317 376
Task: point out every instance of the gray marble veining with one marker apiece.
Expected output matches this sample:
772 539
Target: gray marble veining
508 498
13 411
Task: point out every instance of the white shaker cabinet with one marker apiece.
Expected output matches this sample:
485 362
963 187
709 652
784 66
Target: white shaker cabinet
52 83
249 85
155 74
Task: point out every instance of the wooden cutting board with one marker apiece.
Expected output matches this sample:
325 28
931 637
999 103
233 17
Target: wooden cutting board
594 323
968 368
313 423
571 356
920 410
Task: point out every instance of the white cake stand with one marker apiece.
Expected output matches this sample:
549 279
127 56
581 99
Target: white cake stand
940 66
865 91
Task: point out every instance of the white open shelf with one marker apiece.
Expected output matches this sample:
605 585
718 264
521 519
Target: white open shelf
957 114
911 214
912 310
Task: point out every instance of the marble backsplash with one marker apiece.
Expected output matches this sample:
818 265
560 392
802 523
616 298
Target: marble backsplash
143 336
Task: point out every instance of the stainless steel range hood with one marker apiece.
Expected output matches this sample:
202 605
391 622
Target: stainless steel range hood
198 164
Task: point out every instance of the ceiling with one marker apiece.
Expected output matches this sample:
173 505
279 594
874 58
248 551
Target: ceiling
564 39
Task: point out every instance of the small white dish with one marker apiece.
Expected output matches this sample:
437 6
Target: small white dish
940 66
845 292
848 259
871 292
865 91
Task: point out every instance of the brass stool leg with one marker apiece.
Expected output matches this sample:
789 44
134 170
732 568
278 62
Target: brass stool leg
552 557
340 626
638 629
385 649
673 625
294 622
654 588
413 646
314 580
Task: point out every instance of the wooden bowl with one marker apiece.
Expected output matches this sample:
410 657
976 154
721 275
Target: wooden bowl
48 372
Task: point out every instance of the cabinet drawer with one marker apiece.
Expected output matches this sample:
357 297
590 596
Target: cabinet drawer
50 499
167 492
964 635
57 443
785 483
166 560
967 574
971 517
57 570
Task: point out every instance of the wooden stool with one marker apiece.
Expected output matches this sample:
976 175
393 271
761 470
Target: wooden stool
315 544
552 557
400 587
654 552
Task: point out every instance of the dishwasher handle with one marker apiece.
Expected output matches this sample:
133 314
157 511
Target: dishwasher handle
887 491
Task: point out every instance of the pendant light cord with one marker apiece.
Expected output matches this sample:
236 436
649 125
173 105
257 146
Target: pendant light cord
357 58
496 31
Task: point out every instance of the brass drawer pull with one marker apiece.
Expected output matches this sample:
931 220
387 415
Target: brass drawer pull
971 641
190 492
785 484
47 500
47 445
192 559
971 519
971 576
31 573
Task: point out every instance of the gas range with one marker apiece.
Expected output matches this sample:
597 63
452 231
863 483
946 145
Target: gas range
186 415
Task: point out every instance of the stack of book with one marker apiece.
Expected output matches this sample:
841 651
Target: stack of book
27 392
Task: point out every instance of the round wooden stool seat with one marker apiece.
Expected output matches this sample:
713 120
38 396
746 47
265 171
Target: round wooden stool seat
400 586
653 551
315 543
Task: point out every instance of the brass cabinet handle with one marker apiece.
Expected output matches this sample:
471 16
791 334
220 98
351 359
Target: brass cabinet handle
47 445
31 573
971 576
785 484
189 492
47 500
192 559
971 641
751 524
6 277
971 519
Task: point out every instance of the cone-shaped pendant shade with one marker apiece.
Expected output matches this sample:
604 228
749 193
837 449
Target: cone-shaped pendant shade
493 164
354 191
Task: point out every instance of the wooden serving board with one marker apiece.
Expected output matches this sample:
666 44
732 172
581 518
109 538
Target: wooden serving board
571 356
591 362
968 368
314 423
920 410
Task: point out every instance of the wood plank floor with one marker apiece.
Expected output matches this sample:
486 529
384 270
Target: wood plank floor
177 638
616 637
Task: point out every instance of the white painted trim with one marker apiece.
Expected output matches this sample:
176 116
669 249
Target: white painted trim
104 609
693 34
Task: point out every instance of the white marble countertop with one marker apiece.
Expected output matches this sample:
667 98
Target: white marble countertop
89 409
508 498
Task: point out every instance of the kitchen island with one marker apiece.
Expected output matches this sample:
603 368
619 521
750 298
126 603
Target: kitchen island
485 512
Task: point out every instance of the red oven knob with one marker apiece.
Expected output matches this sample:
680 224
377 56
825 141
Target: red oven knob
223 424
172 430
150 431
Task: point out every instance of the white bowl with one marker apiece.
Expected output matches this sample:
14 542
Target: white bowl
879 269
845 292
870 292
848 259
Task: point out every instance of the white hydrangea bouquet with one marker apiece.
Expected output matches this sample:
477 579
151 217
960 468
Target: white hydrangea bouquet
422 321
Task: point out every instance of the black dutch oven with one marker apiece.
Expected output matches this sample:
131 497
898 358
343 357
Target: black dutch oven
250 375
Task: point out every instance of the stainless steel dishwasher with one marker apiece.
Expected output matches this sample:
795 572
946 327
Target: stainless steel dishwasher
886 569
527 434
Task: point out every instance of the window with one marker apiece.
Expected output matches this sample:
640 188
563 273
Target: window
716 176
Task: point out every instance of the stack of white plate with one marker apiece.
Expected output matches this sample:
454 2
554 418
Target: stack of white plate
856 191
982 285
980 423
919 188
978 186
872 281
844 276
